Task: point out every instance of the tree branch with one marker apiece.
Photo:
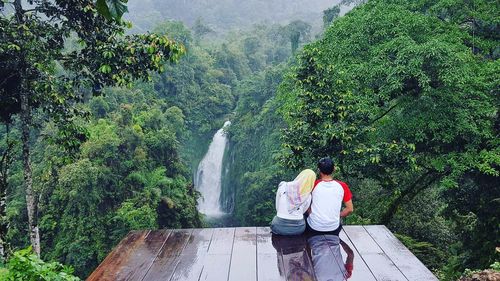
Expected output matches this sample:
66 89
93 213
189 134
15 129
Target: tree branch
409 193
18 7
385 113
7 78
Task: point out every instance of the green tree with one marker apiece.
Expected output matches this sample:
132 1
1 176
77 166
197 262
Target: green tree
473 209
297 31
329 15
254 172
175 30
38 73
124 172
411 106
200 30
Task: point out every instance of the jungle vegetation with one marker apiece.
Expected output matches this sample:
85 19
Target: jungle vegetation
102 126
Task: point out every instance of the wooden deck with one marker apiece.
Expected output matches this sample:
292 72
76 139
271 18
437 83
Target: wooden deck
253 253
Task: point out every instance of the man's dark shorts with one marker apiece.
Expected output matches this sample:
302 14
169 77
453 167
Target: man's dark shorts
310 231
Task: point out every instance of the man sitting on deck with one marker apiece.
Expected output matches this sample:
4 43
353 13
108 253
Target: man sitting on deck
327 197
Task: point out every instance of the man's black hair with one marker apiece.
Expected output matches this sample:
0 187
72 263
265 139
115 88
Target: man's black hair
325 165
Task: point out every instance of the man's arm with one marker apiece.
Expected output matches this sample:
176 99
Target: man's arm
349 208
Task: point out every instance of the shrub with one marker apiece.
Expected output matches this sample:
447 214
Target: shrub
24 265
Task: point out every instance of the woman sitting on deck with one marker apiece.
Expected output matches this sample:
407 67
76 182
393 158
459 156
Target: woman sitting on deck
292 201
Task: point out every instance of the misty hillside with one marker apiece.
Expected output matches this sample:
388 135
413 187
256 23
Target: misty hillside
223 15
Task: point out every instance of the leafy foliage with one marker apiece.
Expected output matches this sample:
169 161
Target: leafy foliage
23 265
33 43
254 172
424 251
129 171
39 73
111 9
128 166
409 106
126 169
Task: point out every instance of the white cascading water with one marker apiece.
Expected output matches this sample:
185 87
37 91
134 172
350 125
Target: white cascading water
209 175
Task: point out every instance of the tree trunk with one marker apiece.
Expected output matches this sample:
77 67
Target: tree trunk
409 194
31 202
3 222
294 41
5 161
3 205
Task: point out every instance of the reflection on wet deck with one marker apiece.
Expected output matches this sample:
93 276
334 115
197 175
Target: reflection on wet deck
253 253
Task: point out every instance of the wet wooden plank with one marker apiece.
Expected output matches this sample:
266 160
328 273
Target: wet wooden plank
166 261
380 265
269 260
360 272
118 258
296 260
298 266
361 239
143 256
216 268
255 254
407 263
217 262
222 241
383 268
199 242
326 257
193 256
264 241
243 258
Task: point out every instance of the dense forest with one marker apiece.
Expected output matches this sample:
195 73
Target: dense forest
104 121
223 16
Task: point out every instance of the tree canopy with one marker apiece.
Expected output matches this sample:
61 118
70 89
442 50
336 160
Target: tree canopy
40 72
408 107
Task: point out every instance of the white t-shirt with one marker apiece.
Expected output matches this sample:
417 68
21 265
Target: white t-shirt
282 205
327 197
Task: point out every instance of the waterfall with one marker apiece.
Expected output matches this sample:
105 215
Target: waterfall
208 177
